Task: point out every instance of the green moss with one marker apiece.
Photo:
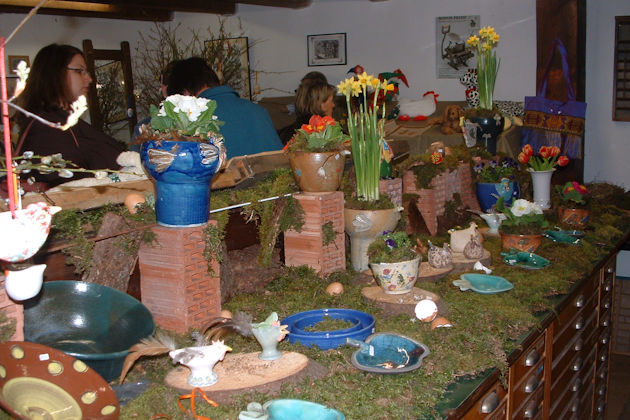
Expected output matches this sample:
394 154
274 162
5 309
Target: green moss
328 233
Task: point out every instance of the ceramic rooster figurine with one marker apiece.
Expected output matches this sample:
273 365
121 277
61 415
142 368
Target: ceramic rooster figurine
418 110
23 235
268 333
200 359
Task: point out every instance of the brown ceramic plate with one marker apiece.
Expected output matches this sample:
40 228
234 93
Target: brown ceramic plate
37 381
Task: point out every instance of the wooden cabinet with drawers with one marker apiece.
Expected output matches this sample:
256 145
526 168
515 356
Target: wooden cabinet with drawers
562 371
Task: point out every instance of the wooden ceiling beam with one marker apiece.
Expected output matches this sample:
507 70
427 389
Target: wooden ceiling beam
292 4
193 6
143 14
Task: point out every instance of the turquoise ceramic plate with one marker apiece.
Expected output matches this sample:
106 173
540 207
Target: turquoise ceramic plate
560 237
522 259
574 233
482 283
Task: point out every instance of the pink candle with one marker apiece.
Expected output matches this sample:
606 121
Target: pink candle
7 130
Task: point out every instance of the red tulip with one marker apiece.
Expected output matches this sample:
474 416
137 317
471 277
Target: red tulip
523 157
527 150
563 161
545 152
554 151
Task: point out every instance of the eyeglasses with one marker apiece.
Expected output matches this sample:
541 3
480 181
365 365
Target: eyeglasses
80 72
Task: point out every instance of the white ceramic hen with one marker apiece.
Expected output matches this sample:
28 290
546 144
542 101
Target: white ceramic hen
25 234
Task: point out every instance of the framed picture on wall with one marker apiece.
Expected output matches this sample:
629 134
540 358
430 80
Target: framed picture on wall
229 58
454 56
326 49
14 60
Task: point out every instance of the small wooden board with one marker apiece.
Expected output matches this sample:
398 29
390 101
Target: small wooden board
243 372
462 264
401 304
431 274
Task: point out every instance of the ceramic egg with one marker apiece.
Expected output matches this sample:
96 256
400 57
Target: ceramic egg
426 310
440 322
226 313
334 288
132 201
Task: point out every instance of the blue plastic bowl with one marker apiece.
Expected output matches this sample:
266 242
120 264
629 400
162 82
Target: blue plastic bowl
88 321
363 326
300 410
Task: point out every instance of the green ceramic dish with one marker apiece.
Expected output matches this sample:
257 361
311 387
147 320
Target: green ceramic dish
482 283
522 259
560 237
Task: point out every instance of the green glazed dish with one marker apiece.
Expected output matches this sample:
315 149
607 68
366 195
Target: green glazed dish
482 283
522 259
560 237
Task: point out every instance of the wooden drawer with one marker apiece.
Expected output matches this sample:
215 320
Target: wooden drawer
567 379
489 405
527 361
533 408
575 326
568 410
578 302
578 343
586 403
527 386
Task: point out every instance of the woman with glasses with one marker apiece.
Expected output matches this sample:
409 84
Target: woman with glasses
57 78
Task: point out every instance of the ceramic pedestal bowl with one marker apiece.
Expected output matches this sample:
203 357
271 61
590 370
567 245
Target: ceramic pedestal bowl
88 321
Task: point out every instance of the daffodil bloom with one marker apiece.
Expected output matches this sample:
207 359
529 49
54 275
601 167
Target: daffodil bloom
487 63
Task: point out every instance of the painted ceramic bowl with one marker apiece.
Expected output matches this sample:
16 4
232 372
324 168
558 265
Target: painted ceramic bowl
91 322
389 353
300 410
397 278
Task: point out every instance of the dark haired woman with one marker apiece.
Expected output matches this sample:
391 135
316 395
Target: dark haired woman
57 78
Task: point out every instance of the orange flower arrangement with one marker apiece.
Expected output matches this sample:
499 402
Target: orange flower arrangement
548 157
319 135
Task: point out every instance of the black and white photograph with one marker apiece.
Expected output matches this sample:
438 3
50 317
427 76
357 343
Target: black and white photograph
454 56
326 49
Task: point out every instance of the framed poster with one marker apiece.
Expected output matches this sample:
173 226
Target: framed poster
326 49
229 58
454 56
14 60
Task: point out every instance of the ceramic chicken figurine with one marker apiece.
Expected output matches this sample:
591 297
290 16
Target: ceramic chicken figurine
200 359
439 257
459 238
25 234
473 249
268 333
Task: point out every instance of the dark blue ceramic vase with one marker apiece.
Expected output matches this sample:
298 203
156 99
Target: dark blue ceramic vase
488 130
183 171
489 193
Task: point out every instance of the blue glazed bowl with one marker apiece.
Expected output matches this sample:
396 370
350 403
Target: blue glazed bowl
362 327
390 353
91 322
300 410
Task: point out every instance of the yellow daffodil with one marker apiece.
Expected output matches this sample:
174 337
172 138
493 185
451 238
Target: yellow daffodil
374 83
355 88
487 63
364 79
389 87
473 41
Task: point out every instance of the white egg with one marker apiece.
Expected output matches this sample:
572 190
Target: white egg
426 310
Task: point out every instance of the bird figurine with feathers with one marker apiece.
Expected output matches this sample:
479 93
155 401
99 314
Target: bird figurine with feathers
417 110
200 359
268 333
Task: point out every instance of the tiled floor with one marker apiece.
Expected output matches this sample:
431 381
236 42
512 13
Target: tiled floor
619 388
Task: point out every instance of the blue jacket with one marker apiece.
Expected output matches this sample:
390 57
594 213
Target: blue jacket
248 128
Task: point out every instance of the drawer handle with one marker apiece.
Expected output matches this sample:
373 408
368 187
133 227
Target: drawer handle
607 286
531 384
490 403
579 324
576 385
532 358
607 304
579 344
605 322
610 270
530 410
579 302
575 407
603 357
601 406
577 365
602 375
602 390
604 339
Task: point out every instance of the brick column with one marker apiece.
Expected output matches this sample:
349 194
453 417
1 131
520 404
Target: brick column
174 281
307 247
393 188
12 310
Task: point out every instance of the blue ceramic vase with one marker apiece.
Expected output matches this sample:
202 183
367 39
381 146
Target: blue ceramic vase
489 193
487 131
182 171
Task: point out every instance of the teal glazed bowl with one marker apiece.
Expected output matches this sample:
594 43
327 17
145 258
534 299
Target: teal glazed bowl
91 322
300 410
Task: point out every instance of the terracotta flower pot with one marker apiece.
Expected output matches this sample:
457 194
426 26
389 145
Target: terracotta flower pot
317 172
527 243
571 216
